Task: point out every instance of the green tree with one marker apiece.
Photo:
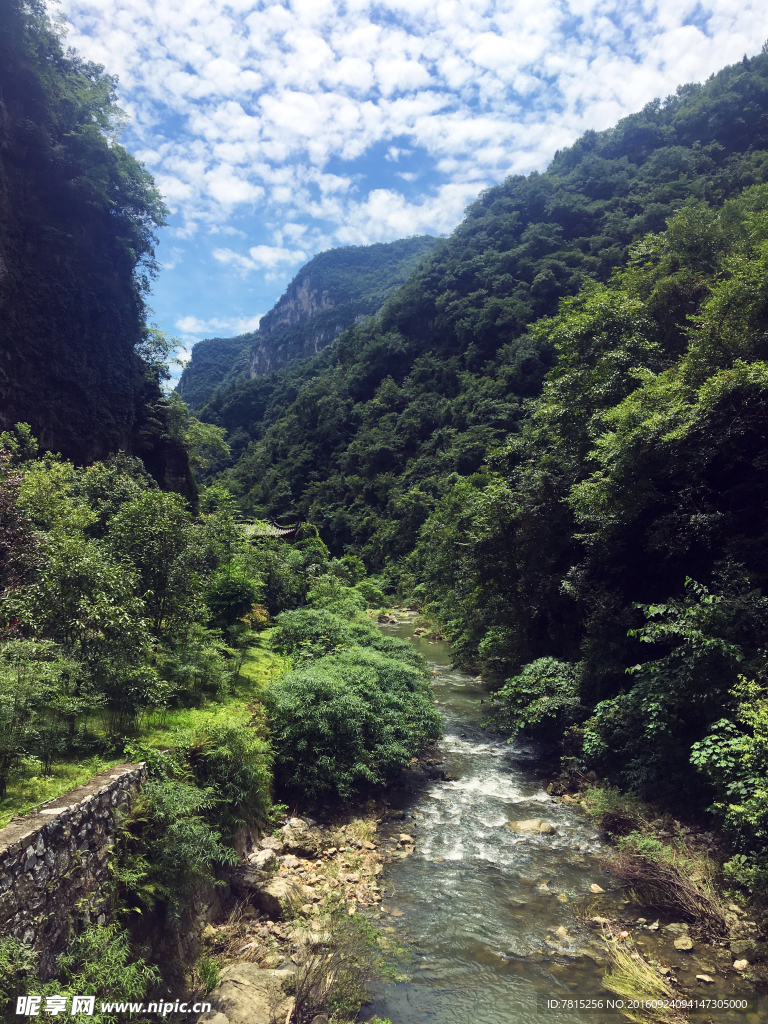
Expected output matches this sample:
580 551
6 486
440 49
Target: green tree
153 533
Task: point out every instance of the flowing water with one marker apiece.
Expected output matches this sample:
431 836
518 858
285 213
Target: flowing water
479 906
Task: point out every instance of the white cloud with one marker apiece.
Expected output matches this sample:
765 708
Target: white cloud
255 108
260 257
192 325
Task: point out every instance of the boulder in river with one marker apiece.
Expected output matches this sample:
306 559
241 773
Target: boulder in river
683 943
531 826
247 994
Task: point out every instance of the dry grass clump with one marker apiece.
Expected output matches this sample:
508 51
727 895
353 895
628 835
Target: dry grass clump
654 861
633 979
671 878
362 829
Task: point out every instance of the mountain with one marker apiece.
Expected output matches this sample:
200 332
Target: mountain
77 215
334 290
367 437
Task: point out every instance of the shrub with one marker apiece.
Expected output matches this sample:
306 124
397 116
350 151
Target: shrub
18 967
234 763
335 965
167 843
313 633
544 694
734 759
101 962
371 594
349 720
328 591
231 595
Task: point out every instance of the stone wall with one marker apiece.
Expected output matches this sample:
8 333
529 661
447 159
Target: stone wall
54 864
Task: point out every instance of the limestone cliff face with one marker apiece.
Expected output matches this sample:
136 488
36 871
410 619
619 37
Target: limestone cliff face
276 344
333 291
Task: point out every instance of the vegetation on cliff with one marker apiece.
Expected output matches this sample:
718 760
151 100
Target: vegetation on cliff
367 437
336 289
77 220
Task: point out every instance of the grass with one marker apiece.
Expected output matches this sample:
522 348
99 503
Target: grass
634 980
31 788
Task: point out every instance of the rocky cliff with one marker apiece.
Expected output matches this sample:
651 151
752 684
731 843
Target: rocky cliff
334 290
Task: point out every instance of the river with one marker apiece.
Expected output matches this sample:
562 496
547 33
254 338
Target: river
479 907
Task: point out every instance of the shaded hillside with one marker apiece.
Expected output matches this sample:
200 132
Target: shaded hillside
334 290
210 364
367 437
77 215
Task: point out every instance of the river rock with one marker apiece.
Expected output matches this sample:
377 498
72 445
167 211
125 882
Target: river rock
531 825
705 977
263 860
280 898
301 838
246 994
741 946
596 888
740 965
271 843
683 943
245 880
676 928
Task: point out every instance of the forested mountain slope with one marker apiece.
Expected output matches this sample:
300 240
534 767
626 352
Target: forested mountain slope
334 290
367 437
77 214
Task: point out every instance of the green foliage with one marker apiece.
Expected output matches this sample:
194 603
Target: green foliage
545 693
100 961
18 967
367 438
19 443
207 970
25 686
166 843
231 595
328 591
234 763
152 531
733 757
371 594
347 720
336 964
309 633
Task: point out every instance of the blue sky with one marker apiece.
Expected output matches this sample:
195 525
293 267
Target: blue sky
280 128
